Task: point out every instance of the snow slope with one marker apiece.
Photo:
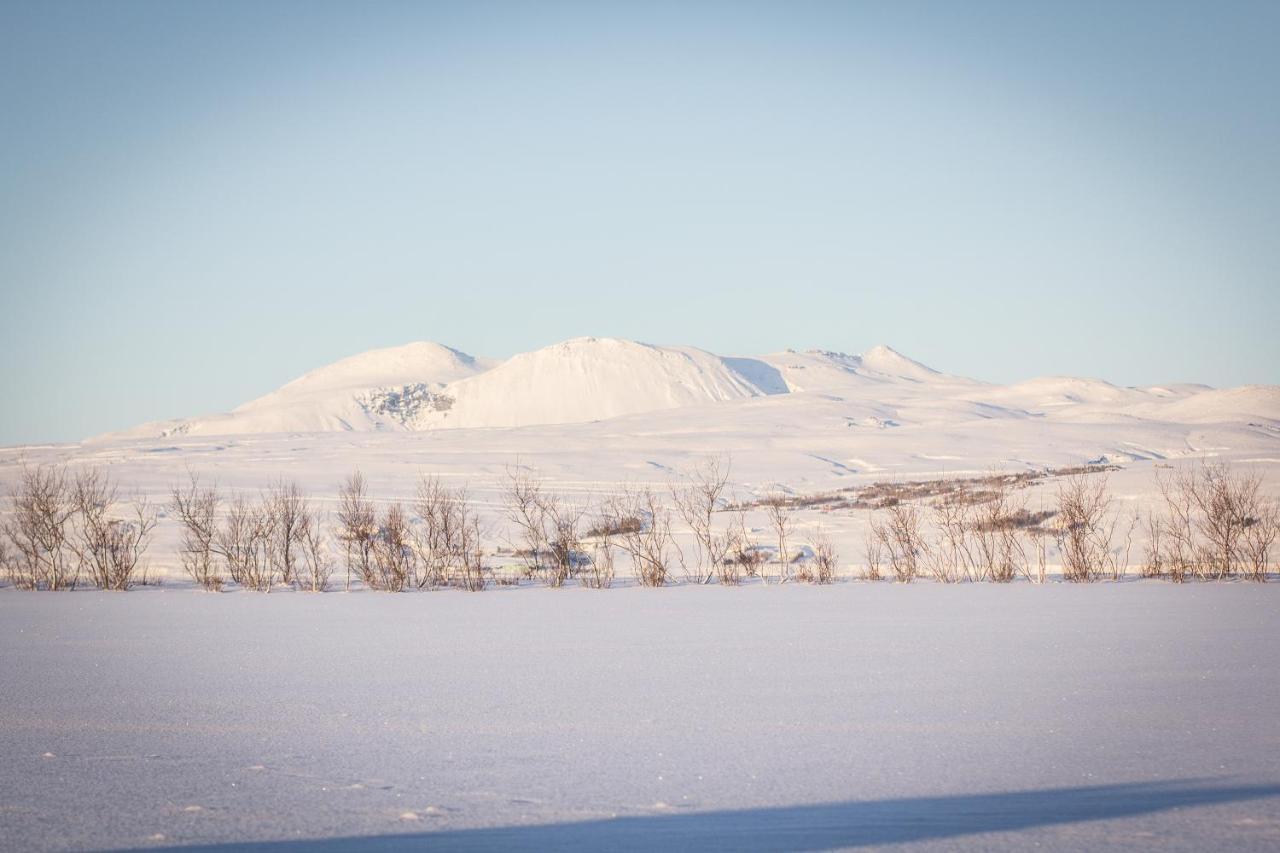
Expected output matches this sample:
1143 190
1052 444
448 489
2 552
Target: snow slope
375 390
590 379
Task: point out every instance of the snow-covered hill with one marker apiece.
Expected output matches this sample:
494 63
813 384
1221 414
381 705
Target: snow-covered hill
375 390
591 379
428 387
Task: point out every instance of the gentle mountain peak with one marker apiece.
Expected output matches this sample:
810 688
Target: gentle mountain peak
885 359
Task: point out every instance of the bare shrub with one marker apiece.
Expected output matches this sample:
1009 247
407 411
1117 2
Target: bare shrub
393 559
109 549
1259 536
901 541
600 568
289 515
1217 524
524 505
744 553
697 500
1228 503
1085 529
563 536
1176 541
649 547
42 505
441 543
317 562
468 573
825 558
1153 565
357 526
244 542
1037 538
197 512
874 551
954 555
995 532
778 511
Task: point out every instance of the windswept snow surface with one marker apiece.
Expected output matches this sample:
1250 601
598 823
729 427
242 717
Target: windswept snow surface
1133 716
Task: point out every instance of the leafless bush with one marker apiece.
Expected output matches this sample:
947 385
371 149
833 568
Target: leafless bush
289 514
599 571
525 507
1153 565
469 573
39 531
317 563
901 541
393 560
244 542
1229 504
564 539
995 527
649 547
197 512
874 549
357 526
1217 524
778 512
697 500
1085 530
979 540
1259 536
1037 539
825 559
109 549
744 553
443 542
1175 539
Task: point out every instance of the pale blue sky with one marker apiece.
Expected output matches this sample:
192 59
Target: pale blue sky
200 201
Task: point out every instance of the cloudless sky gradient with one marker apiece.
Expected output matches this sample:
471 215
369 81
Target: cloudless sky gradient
201 201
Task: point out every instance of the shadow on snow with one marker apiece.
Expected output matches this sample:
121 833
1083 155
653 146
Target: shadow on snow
806 827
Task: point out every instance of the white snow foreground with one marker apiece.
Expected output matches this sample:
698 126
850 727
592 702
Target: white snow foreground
1104 717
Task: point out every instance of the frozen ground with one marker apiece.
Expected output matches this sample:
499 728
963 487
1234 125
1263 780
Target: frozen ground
1120 716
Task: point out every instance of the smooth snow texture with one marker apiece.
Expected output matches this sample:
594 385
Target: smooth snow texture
590 379
1137 716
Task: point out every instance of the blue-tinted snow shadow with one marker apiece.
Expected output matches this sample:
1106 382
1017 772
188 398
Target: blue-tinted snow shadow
811 827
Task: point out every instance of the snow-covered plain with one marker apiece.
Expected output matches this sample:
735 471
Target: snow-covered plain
1131 716
590 413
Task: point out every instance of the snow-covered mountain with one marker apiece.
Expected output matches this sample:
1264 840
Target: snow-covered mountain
427 386
375 390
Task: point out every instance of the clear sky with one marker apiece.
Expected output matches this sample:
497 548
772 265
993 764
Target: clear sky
201 201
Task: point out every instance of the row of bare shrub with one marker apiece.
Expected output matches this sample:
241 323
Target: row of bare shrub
1214 524
63 529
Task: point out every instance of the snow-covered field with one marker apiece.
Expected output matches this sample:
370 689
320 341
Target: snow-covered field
1130 715
1135 716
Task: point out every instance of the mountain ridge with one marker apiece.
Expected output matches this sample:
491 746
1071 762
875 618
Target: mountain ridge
424 386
